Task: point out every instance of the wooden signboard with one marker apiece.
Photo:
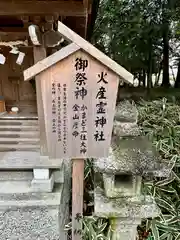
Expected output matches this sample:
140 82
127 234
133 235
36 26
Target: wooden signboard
78 87
79 96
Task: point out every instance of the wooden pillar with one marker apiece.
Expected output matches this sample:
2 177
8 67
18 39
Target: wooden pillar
39 54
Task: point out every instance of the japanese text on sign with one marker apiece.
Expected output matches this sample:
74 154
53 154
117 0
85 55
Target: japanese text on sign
101 119
81 107
80 111
59 113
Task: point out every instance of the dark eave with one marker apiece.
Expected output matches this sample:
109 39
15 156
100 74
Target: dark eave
79 15
43 7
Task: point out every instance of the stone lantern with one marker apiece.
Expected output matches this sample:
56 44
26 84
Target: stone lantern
118 178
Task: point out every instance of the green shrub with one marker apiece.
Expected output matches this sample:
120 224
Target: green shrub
160 120
94 228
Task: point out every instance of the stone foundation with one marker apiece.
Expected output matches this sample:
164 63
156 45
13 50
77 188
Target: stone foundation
32 216
27 212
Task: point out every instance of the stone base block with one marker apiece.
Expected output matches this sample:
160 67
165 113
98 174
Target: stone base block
125 207
125 129
42 185
125 233
33 216
124 230
40 173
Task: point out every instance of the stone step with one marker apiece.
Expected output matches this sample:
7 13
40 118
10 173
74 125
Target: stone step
16 175
12 187
26 186
27 175
32 216
27 159
16 134
10 127
19 195
20 140
19 116
15 147
18 122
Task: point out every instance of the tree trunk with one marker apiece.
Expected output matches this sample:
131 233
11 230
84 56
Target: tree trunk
177 83
144 78
149 71
165 81
159 74
149 79
174 79
139 79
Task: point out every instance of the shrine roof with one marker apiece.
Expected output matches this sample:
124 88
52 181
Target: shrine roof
17 15
76 44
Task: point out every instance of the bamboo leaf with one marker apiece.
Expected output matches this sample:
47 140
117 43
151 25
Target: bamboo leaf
164 204
166 228
164 236
176 176
165 182
167 189
155 231
170 237
173 220
177 205
177 237
148 225
102 227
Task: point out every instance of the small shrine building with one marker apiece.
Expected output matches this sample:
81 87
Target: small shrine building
15 18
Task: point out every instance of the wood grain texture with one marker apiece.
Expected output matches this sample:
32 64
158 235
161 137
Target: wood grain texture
7 35
50 61
64 73
2 106
8 88
39 54
77 197
63 8
89 48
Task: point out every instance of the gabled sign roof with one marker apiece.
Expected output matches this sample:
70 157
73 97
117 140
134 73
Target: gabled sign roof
77 43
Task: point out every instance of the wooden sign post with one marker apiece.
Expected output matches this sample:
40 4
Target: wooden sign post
79 89
77 197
